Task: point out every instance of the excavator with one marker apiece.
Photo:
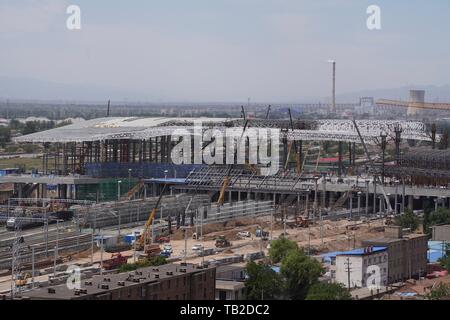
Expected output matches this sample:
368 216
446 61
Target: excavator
143 240
22 279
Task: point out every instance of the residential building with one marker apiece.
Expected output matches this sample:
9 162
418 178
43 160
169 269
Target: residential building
167 282
407 253
230 290
364 267
441 233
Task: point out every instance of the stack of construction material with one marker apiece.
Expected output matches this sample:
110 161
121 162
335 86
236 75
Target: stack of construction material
123 212
243 209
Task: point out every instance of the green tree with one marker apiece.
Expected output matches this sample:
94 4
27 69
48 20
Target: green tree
443 143
262 282
408 220
280 248
440 292
299 272
445 260
5 136
30 127
328 291
441 216
15 124
154 261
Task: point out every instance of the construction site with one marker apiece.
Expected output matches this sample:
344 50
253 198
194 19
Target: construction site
110 191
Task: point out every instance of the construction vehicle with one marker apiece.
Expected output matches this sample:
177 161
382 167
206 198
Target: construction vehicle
117 259
135 189
390 220
376 178
223 189
264 235
226 179
152 250
143 240
162 239
222 242
22 279
298 151
302 222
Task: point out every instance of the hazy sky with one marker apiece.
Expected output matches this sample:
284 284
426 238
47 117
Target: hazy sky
227 50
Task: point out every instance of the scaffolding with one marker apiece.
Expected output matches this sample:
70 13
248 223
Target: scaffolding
423 167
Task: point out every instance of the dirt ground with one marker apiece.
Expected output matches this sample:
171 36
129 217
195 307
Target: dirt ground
337 235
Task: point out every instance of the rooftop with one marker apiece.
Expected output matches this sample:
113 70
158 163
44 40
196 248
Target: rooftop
105 283
135 128
229 285
354 252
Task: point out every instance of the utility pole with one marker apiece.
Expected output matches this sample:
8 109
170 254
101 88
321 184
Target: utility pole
383 155
367 198
32 267
101 254
315 199
348 264
15 267
56 248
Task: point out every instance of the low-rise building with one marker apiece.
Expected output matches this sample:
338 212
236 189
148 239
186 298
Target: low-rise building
230 290
441 233
235 272
364 267
407 253
167 282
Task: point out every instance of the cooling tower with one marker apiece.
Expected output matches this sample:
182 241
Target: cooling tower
417 100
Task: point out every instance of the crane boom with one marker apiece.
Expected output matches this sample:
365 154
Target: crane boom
151 217
388 202
226 180
298 167
411 104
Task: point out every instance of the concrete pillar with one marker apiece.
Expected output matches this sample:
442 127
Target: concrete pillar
351 204
374 197
44 190
307 204
410 202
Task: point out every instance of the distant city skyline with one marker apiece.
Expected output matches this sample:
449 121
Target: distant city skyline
271 50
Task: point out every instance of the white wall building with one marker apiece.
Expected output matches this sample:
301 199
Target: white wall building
365 267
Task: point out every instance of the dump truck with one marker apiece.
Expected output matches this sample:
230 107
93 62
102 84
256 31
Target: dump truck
162 239
117 259
152 250
222 242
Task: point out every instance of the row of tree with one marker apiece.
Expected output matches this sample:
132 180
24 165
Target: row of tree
430 218
298 278
17 127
